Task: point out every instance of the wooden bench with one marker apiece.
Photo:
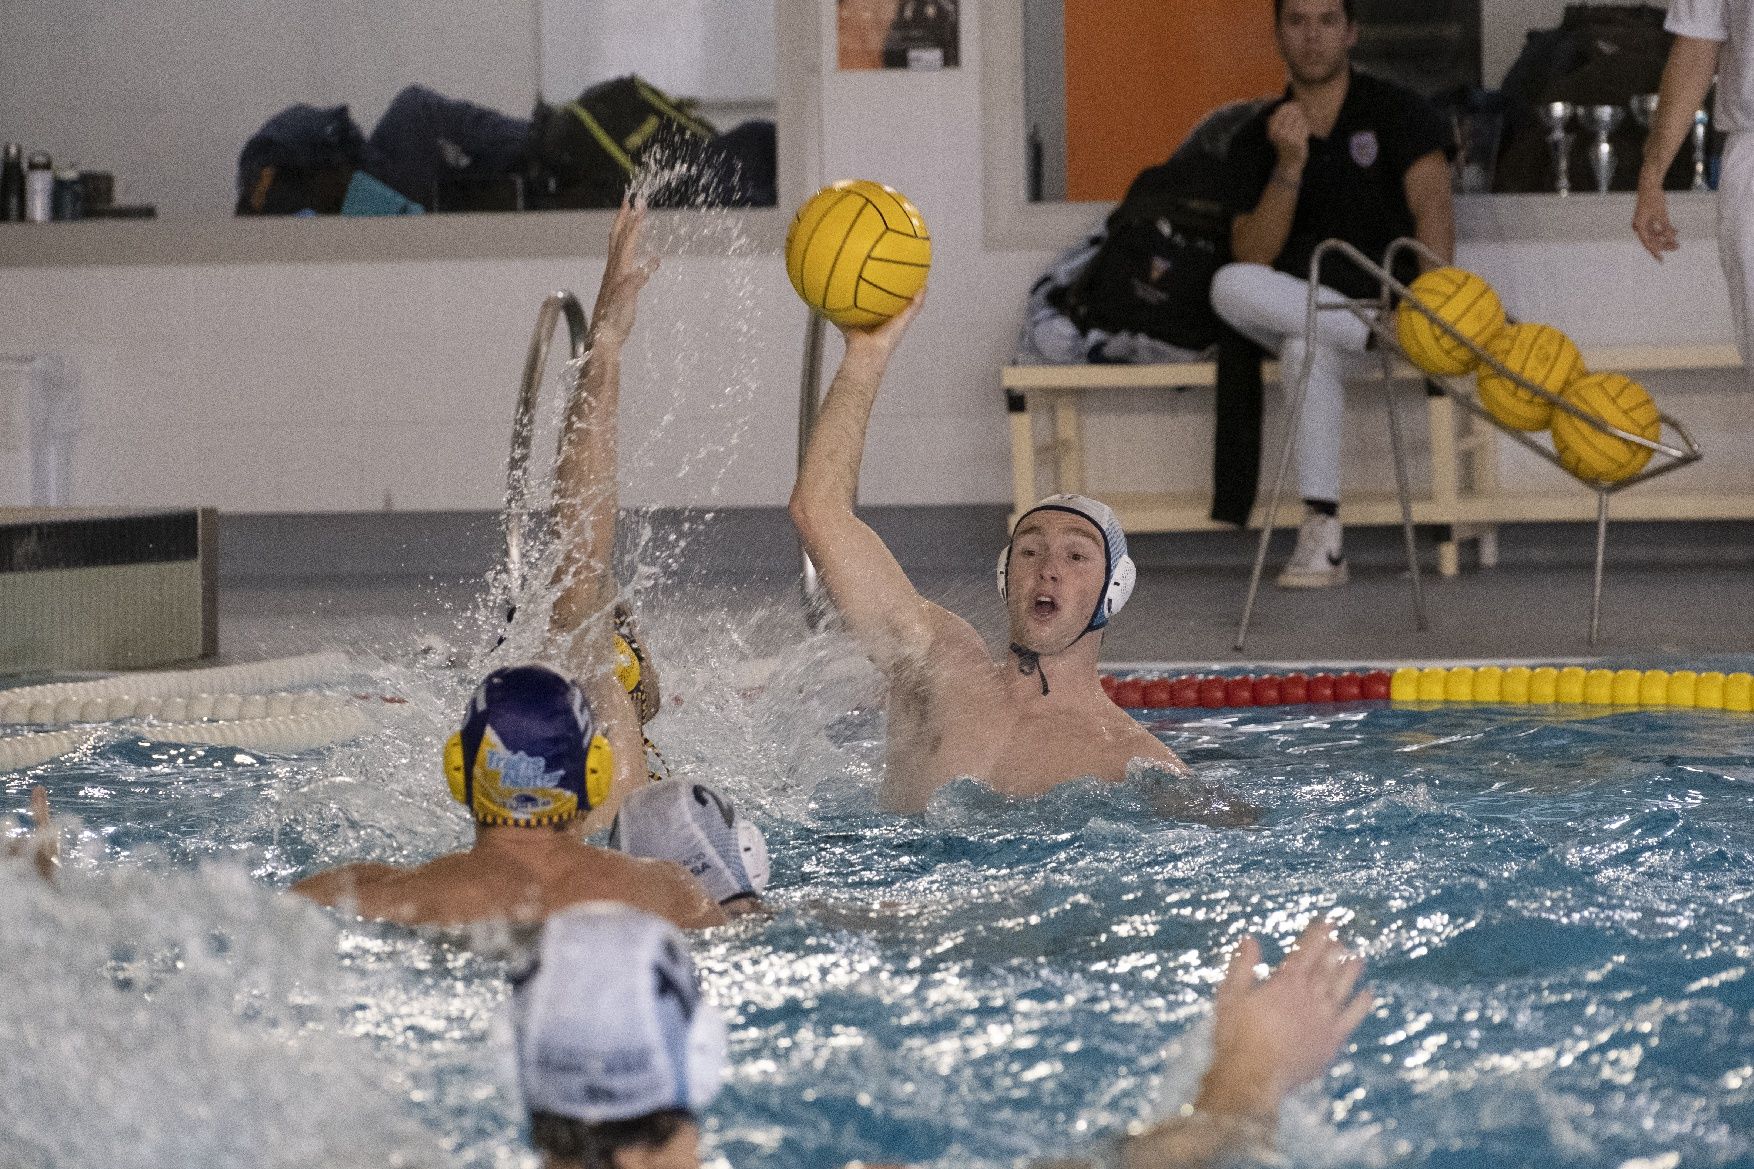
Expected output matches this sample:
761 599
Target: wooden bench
1463 497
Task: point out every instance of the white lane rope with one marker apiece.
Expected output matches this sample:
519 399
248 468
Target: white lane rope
60 702
337 722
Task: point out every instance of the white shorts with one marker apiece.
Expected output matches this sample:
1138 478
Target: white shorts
1735 232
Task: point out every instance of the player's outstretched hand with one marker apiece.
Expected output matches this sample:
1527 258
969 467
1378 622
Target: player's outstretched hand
1274 1035
625 272
44 841
1650 222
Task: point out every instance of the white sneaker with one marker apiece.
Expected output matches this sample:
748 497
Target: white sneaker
1317 562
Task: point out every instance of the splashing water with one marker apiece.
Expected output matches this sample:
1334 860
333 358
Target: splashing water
671 356
1556 912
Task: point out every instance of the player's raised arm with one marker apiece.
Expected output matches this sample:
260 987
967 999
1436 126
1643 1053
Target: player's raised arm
879 603
587 502
586 489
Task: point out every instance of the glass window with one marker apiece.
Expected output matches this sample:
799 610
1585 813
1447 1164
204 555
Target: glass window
1112 86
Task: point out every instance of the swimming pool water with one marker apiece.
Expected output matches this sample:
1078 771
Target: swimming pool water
1555 905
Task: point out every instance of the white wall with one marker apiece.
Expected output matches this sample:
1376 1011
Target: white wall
335 386
164 93
721 51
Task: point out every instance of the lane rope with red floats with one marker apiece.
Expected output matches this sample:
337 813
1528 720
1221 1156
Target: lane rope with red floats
1428 685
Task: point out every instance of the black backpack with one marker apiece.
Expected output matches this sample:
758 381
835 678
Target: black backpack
300 160
1601 54
587 151
440 152
1165 241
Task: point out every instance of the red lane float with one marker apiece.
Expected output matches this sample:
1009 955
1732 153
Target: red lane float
1212 692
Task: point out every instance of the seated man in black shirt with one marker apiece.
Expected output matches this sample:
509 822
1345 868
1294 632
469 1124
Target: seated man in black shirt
1342 155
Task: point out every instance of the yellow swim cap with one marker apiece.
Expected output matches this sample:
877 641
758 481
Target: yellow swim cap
632 669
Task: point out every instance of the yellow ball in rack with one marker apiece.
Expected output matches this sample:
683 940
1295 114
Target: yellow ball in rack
1593 454
1538 353
858 252
1462 300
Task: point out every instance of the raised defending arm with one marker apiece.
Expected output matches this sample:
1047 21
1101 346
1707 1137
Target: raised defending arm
587 503
586 489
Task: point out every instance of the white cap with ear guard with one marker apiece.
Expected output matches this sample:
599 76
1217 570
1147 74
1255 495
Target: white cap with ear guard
699 829
610 1021
1122 573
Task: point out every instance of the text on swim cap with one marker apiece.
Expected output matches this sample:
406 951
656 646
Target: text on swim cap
518 770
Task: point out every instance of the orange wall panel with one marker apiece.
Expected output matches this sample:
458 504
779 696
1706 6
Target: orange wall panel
1141 73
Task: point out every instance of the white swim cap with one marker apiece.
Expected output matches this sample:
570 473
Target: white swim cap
1122 573
610 1021
699 829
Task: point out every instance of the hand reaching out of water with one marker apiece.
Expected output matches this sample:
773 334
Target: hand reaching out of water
44 842
1275 1035
1271 1036
625 272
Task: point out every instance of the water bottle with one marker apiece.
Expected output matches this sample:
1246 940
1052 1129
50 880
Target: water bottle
12 184
67 202
39 188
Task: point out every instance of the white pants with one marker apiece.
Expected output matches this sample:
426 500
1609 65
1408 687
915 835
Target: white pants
1735 233
1269 308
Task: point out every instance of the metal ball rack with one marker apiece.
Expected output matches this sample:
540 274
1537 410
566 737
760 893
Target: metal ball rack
1378 315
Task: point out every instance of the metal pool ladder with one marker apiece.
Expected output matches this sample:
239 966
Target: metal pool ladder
519 515
809 405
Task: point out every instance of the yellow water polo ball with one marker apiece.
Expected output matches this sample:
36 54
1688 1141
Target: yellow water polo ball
1537 353
1462 300
858 252
1595 455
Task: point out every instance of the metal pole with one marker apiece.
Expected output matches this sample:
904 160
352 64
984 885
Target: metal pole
809 404
1405 494
1601 557
1285 449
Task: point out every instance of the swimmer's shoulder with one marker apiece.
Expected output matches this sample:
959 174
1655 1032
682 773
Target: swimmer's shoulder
951 656
1138 739
661 887
344 882
444 890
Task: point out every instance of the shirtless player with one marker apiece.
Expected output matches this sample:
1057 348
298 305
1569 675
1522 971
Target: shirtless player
538 753
1023 723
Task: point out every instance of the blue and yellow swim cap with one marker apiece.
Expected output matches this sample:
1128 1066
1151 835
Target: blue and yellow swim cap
528 752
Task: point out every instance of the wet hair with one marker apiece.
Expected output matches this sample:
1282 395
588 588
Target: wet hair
593 1146
1346 6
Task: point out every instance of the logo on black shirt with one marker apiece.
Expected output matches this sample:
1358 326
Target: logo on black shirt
1364 148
